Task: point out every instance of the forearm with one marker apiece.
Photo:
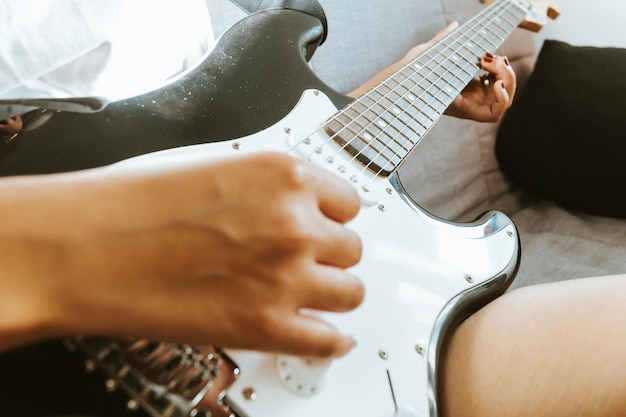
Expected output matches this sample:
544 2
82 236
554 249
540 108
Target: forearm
32 236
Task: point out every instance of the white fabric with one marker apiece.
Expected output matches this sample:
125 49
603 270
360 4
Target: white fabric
112 48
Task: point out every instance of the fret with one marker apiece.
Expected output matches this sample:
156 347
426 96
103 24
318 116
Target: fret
383 126
495 34
455 81
483 35
465 66
361 148
510 21
354 129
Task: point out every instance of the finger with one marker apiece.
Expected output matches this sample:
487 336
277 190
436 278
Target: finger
338 200
500 67
308 335
502 99
331 289
337 245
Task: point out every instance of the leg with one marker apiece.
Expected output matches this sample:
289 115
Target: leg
549 350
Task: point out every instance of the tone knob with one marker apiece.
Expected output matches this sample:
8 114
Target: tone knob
303 376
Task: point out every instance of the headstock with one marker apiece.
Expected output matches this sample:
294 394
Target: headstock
538 12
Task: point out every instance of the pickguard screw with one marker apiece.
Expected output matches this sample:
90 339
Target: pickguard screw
382 208
236 146
288 130
389 191
249 394
469 279
509 233
383 355
419 349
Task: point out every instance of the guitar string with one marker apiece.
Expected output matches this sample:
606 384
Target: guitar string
486 15
470 25
428 103
477 21
437 93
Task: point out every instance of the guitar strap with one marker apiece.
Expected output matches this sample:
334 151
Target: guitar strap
311 7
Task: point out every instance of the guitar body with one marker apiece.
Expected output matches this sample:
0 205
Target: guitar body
423 275
252 78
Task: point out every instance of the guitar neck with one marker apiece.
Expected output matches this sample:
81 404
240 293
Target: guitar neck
382 127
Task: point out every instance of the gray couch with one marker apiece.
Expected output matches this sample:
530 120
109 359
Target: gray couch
453 173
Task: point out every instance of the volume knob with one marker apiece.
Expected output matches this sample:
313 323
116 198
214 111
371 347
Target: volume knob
303 376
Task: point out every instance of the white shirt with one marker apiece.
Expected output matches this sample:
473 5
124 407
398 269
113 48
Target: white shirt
111 48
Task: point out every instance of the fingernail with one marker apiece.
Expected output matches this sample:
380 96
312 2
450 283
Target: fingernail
349 331
488 57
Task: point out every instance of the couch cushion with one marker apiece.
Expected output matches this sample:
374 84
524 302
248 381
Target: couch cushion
565 137
558 244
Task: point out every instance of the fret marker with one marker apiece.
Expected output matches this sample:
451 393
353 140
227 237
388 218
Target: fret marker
411 97
382 124
470 45
367 137
417 66
455 57
396 110
448 89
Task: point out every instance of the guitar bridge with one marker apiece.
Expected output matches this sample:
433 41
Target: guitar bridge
163 379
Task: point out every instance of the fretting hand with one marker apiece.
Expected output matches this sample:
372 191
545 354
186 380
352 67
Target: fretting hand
485 98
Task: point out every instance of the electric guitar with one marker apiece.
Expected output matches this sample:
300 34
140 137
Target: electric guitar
423 275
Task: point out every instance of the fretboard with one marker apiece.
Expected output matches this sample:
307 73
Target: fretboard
380 128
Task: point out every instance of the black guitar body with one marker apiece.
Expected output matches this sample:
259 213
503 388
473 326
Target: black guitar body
254 76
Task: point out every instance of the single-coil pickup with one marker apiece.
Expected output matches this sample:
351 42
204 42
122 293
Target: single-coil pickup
324 152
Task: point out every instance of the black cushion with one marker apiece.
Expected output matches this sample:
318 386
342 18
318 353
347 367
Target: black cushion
564 138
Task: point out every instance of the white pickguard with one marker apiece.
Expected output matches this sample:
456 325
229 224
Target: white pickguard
417 271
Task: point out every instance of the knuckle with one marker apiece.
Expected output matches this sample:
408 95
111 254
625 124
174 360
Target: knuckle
356 248
327 347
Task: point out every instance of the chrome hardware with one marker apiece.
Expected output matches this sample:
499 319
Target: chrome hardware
110 385
165 379
90 366
132 405
419 348
249 394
